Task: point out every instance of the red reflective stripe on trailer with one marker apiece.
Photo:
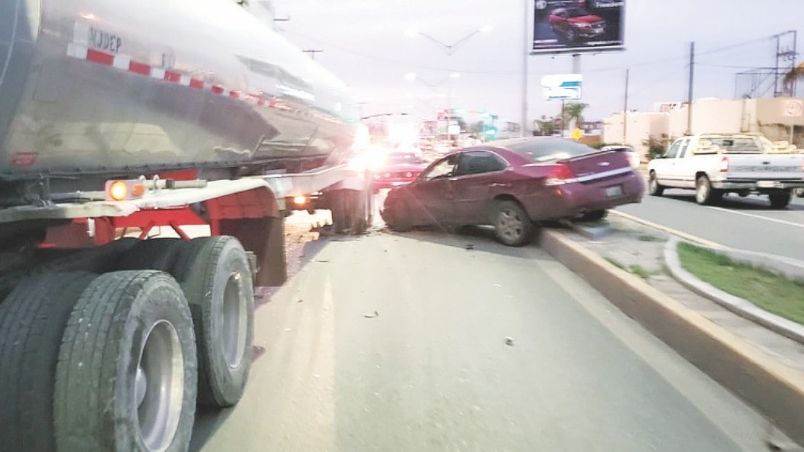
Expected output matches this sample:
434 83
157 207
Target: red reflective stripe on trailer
234 94
139 68
196 83
100 57
217 89
257 203
172 76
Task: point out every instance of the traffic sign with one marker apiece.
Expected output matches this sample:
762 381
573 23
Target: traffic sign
562 86
576 134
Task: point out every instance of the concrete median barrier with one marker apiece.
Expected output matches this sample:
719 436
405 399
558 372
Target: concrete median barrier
775 390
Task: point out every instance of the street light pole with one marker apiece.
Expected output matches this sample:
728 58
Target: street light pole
525 54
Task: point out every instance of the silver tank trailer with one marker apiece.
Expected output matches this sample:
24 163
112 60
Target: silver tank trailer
124 86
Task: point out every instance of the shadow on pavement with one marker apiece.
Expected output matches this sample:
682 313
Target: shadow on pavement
737 203
207 422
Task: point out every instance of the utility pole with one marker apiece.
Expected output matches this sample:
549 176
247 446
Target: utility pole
625 107
525 54
691 92
313 52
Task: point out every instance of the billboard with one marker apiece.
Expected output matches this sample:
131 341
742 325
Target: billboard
578 25
562 86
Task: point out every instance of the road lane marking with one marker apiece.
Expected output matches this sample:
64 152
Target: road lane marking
730 415
676 232
774 220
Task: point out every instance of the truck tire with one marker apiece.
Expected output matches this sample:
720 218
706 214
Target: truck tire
126 376
512 225
32 321
654 187
780 200
216 278
705 195
152 254
351 211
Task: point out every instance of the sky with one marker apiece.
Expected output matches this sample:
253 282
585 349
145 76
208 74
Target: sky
364 43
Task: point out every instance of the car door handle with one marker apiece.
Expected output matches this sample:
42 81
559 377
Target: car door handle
496 185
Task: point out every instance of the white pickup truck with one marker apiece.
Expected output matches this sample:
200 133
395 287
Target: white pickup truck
716 164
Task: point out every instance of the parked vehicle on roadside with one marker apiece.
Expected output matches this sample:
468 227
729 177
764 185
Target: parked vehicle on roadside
576 23
511 184
716 164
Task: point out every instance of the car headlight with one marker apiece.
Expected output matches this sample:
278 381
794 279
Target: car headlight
584 25
408 174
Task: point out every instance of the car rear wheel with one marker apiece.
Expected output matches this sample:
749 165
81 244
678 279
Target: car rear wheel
654 188
780 200
704 193
512 225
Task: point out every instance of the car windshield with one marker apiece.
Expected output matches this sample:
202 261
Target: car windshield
402 158
576 12
541 150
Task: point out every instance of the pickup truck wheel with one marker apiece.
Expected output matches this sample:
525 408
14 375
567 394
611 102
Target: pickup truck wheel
704 193
126 375
216 277
780 200
32 321
512 225
654 188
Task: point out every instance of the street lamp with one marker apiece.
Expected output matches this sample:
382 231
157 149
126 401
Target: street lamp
450 48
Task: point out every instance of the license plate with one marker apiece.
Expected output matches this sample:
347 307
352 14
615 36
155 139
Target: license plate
766 184
613 192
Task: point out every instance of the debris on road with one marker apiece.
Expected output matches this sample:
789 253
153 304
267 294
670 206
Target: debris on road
300 300
371 315
323 261
509 342
469 246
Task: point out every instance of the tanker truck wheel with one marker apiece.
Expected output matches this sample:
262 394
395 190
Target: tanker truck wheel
215 274
351 211
126 375
32 321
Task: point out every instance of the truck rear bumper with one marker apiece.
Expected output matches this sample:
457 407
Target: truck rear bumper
758 185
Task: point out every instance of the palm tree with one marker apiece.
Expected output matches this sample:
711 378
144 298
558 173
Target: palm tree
797 73
574 111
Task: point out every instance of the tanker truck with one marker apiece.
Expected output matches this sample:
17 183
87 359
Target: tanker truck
119 118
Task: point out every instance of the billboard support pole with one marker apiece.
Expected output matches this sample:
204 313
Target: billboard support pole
625 107
525 54
576 63
690 94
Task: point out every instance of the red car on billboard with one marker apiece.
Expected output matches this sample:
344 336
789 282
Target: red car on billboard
576 23
511 184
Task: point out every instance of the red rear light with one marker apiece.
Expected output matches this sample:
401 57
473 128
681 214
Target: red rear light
560 174
724 164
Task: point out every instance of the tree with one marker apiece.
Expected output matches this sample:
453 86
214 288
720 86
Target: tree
574 111
797 73
544 127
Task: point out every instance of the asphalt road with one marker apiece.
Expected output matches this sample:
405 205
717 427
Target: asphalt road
746 223
398 343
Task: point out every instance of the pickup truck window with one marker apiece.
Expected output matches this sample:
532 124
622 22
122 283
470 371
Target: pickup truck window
683 149
673 151
733 145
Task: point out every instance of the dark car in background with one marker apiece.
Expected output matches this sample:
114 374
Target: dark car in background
576 23
511 184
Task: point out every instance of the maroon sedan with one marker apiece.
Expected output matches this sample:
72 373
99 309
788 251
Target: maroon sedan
513 183
401 168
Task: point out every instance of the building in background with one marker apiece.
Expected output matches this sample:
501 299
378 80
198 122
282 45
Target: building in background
779 119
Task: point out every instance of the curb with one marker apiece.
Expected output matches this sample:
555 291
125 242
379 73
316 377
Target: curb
775 390
739 306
